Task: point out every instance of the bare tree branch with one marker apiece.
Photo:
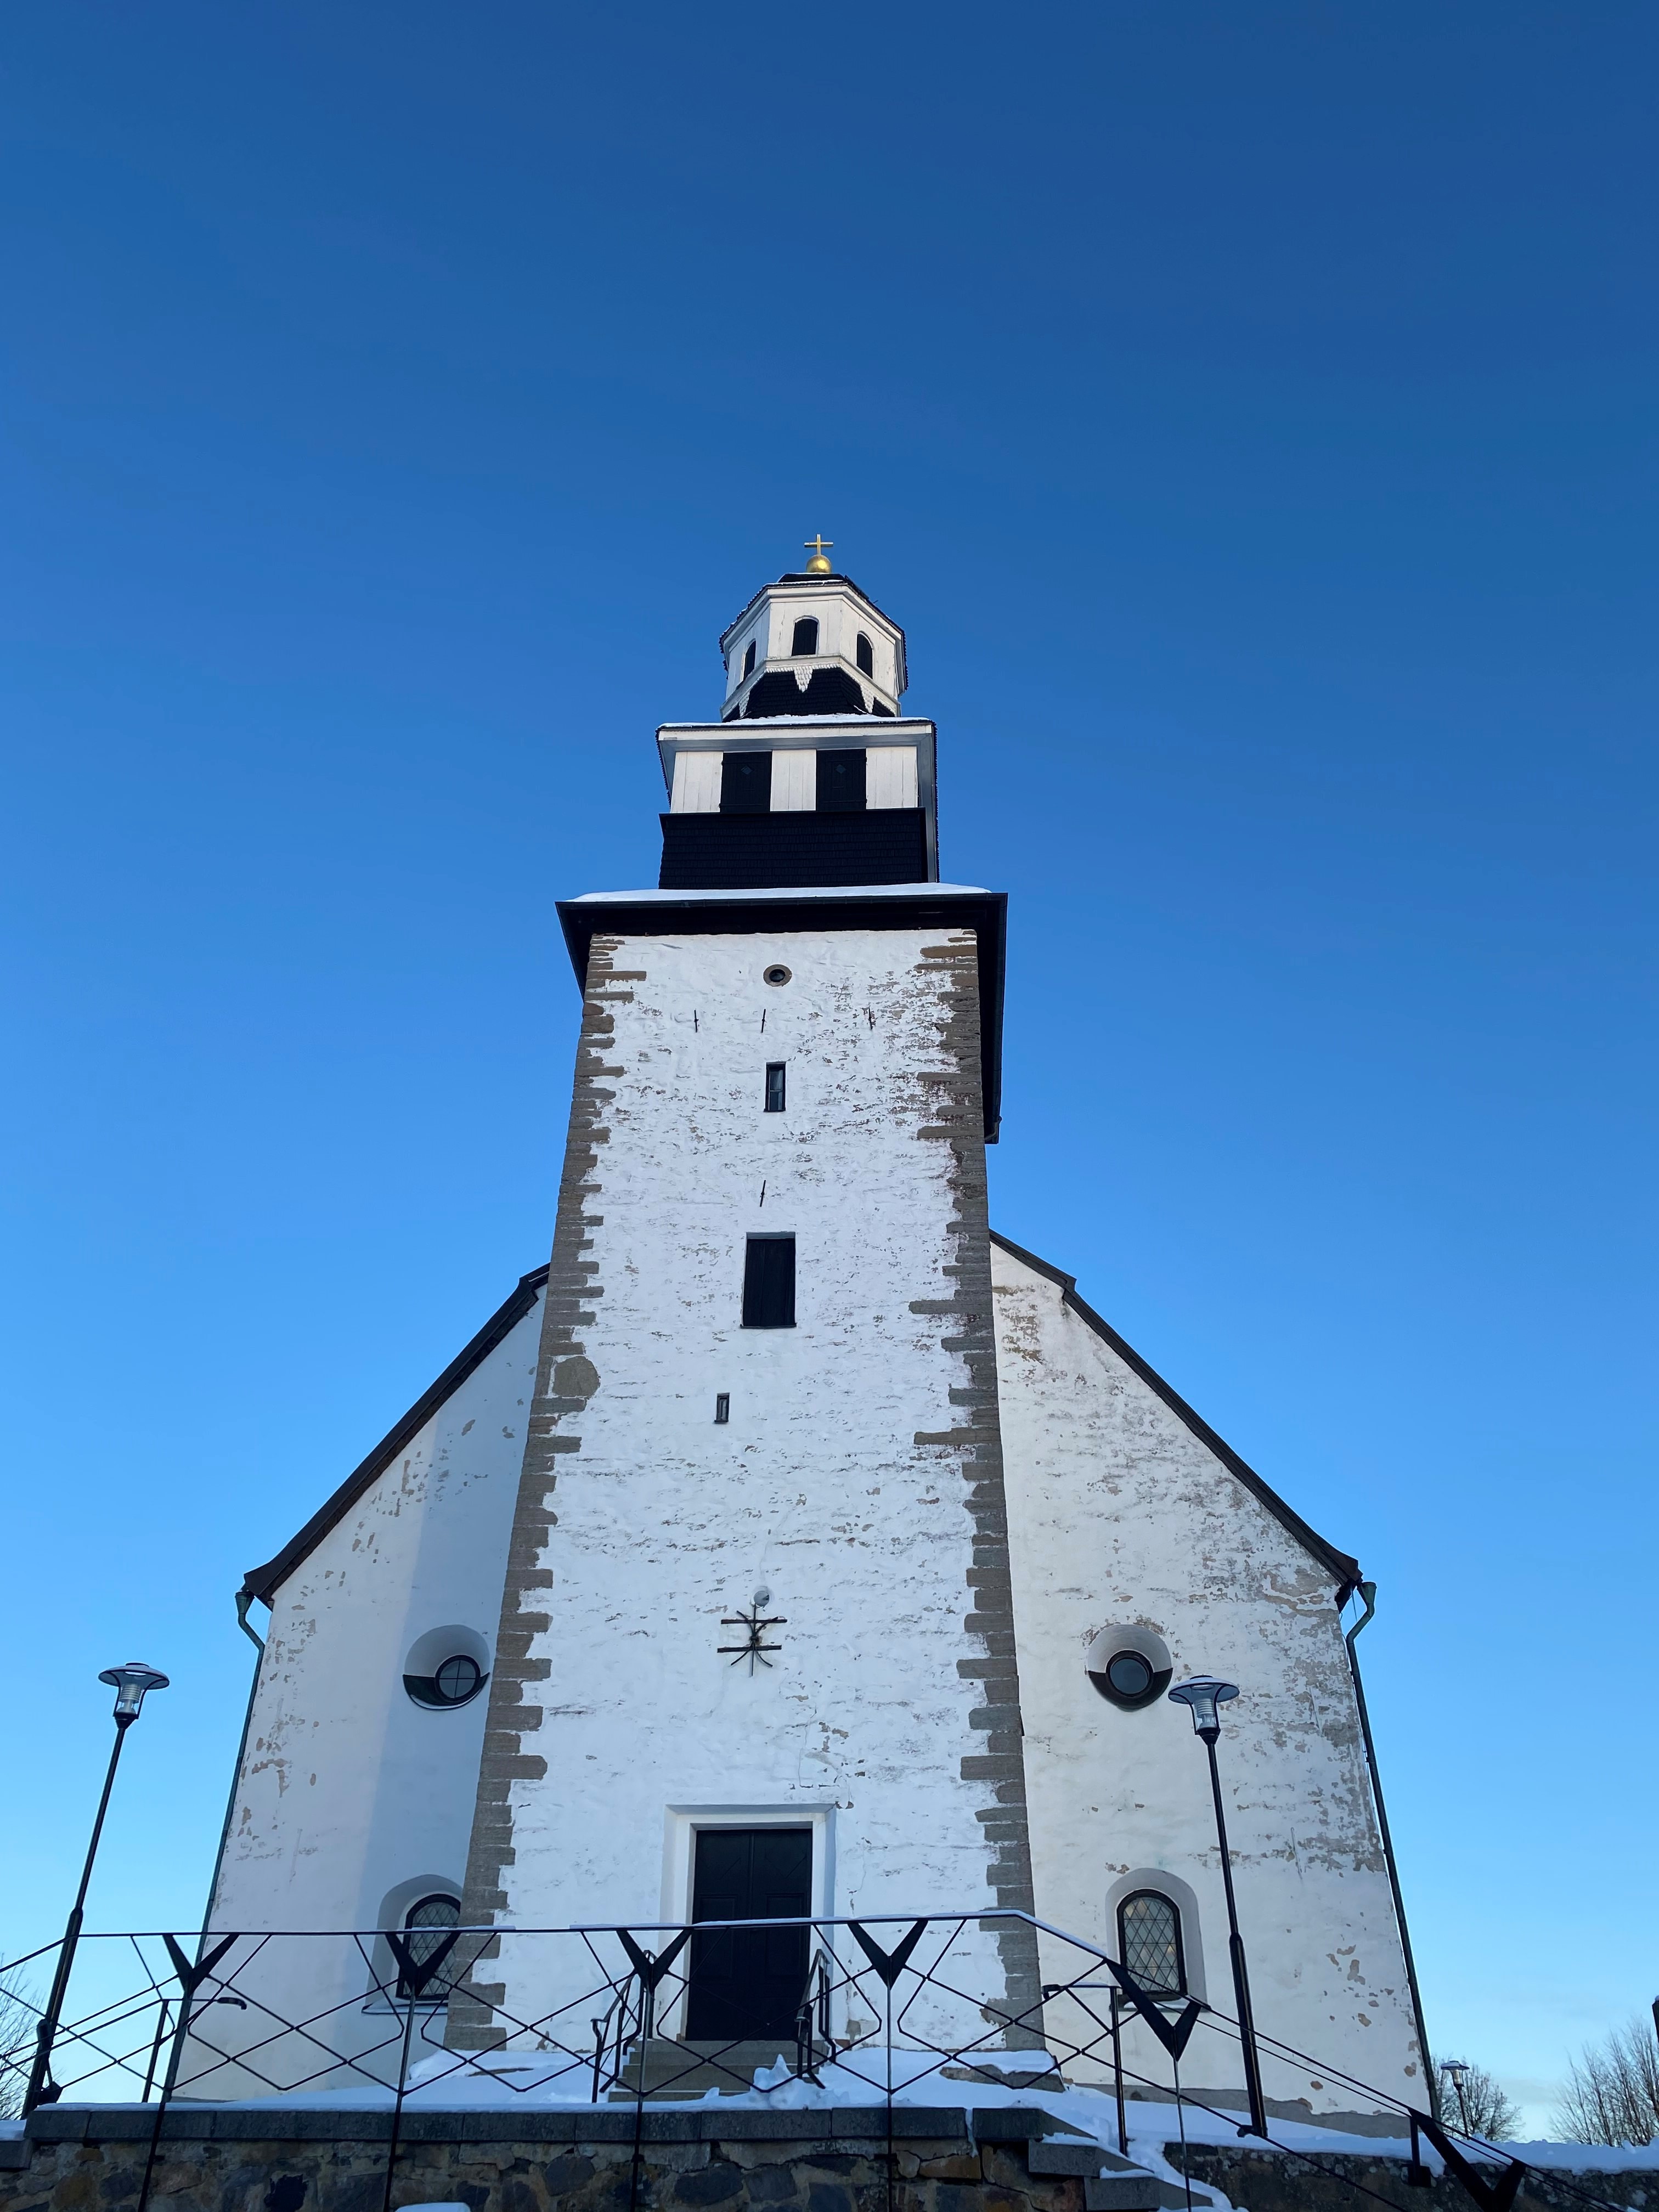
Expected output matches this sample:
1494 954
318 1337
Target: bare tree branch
1612 2093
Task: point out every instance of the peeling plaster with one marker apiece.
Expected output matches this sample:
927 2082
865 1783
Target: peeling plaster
1119 1513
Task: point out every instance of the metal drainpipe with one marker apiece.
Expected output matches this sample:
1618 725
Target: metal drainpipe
1368 1592
244 1600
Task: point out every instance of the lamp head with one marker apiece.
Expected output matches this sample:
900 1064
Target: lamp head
1204 1694
1456 2071
131 1685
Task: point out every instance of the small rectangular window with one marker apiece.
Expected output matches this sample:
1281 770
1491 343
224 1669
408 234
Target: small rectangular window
774 1086
749 658
723 1405
769 1283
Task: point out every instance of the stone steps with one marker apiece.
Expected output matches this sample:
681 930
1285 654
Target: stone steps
673 2070
1112 2183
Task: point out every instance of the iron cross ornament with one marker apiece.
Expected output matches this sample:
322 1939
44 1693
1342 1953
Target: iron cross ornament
755 1623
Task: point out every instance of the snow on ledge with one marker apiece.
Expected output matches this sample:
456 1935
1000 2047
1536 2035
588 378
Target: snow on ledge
806 891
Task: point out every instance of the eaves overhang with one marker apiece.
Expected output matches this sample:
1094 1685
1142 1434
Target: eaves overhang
1344 1569
758 914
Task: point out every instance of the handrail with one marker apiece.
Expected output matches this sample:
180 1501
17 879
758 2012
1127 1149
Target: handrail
806 2061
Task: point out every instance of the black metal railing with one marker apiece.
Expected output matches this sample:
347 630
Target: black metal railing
890 2003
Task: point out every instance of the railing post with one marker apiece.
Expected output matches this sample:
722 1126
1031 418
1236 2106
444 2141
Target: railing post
156 2050
1117 2072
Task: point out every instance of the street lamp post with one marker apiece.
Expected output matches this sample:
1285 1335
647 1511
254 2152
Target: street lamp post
1456 2071
131 1683
1204 1695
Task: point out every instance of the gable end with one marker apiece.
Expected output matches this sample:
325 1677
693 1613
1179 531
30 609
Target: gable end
263 1583
1339 1564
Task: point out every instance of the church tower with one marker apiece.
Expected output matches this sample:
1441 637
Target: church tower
757 1637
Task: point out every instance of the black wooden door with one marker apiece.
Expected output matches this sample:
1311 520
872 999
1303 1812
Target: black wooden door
747 1983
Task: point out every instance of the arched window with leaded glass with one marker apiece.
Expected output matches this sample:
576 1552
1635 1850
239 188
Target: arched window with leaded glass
426 1924
1149 1933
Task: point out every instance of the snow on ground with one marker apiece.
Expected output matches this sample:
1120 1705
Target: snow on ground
500 2080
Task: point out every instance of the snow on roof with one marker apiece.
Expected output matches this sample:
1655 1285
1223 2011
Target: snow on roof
791 893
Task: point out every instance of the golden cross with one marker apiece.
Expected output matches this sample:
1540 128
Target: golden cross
816 546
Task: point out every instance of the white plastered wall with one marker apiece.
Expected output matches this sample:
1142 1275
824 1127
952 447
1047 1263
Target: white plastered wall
1120 1515
348 1790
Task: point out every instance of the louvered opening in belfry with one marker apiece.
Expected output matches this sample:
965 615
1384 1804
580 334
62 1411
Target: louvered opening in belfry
842 780
746 783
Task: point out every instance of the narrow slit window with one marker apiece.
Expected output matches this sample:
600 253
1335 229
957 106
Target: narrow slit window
805 642
722 1407
769 1283
749 658
866 656
774 1091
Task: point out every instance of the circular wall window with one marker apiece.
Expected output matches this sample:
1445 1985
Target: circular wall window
1129 1667
446 1668
1129 1674
777 974
456 1682
458 1678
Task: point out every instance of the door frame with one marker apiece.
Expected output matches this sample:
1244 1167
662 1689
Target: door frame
681 1826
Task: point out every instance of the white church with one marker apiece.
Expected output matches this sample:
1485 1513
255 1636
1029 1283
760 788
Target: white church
793 1544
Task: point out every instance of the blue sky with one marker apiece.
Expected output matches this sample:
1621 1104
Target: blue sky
1249 414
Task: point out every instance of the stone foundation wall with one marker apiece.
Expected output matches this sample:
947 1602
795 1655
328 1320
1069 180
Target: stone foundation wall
1268 2181
321 2161
944 2159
